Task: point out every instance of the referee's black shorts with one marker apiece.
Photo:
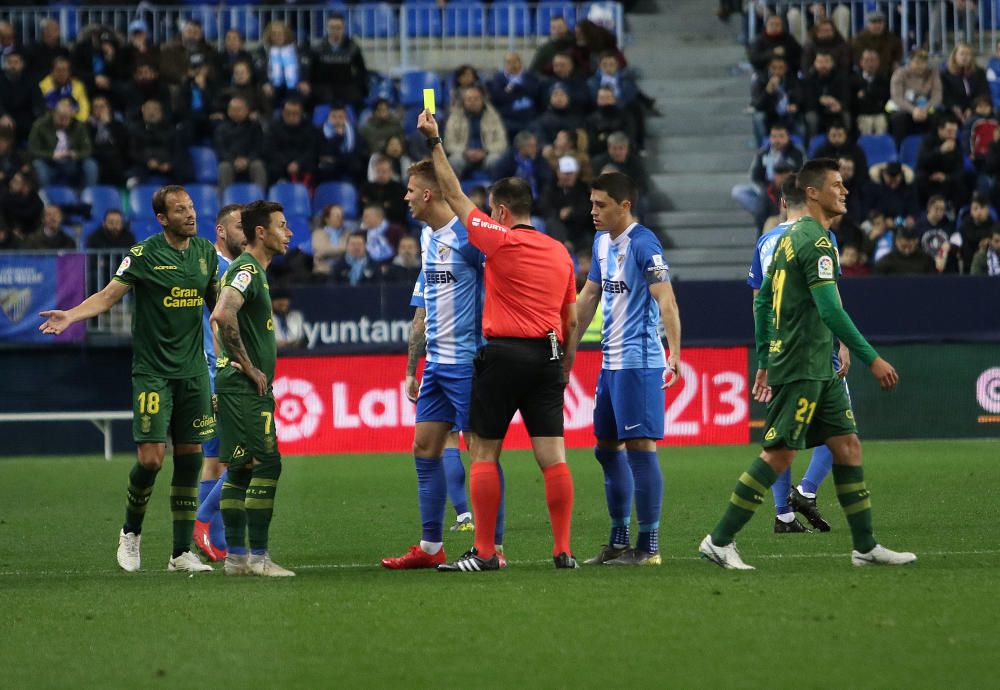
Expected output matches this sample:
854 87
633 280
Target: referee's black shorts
517 374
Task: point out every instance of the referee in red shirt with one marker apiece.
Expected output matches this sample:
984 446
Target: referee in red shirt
529 320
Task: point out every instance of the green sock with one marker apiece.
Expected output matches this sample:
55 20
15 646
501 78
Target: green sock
233 506
855 499
747 496
260 504
140 488
184 498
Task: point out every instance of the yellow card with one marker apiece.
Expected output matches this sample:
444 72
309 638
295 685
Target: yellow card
429 100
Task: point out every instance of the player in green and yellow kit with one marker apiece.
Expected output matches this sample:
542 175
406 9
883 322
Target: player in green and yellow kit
248 439
796 315
173 276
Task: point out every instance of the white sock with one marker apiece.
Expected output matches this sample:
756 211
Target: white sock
463 517
787 518
430 547
806 493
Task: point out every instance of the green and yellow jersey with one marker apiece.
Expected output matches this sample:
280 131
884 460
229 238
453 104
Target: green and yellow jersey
170 287
256 324
801 342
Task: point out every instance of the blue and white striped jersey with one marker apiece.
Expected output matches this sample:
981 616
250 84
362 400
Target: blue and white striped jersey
624 268
450 288
764 253
207 327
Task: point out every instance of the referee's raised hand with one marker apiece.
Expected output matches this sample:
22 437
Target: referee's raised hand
427 124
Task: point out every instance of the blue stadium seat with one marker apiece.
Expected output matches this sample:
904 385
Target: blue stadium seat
206 201
206 164
879 148
469 185
909 150
301 231
377 20
815 143
412 85
995 92
141 202
209 20
554 8
342 193
60 195
320 113
380 86
241 193
465 19
242 19
510 18
101 198
206 228
422 21
144 227
293 196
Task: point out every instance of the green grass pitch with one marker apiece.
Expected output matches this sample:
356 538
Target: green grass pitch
805 618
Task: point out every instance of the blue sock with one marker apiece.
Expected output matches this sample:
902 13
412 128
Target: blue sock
498 533
205 487
819 467
780 489
619 488
455 472
648 497
432 494
238 550
258 552
217 530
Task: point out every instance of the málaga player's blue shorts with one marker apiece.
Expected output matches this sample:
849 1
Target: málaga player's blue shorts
629 404
444 396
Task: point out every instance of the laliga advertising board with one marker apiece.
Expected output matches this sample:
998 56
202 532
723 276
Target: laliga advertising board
356 404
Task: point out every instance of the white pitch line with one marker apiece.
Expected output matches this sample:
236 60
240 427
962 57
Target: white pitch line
375 566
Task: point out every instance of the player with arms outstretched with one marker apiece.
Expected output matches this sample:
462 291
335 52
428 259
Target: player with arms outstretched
630 281
173 275
796 315
248 441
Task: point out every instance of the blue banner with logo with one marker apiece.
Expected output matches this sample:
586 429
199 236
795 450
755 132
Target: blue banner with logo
32 283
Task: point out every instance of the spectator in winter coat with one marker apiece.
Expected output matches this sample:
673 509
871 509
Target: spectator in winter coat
338 67
775 41
962 81
291 147
239 146
515 93
870 90
475 136
915 91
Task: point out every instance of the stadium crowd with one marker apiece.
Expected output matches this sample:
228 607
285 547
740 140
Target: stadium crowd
918 144
91 127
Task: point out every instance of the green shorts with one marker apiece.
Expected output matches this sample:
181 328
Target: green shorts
182 406
246 429
804 414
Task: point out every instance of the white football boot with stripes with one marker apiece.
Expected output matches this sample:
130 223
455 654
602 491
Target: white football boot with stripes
882 556
723 556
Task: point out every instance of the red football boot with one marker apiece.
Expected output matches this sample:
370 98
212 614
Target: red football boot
414 559
204 542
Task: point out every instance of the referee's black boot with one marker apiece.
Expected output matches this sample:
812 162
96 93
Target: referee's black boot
565 560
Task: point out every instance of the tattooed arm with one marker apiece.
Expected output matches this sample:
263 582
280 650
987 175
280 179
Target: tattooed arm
224 316
415 348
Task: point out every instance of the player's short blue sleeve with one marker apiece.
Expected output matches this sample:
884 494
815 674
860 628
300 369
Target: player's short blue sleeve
417 299
648 253
595 265
756 276
836 248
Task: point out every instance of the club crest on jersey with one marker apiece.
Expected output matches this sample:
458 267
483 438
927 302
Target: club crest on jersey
145 423
241 281
203 266
126 262
824 267
443 252
136 250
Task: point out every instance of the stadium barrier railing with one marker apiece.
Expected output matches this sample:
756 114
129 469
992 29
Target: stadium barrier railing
932 24
394 38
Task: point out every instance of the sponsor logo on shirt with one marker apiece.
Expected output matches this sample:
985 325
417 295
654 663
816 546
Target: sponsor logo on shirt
824 267
480 223
136 250
439 277
204 421
616 287
180 298
824 243
163 268
241 281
